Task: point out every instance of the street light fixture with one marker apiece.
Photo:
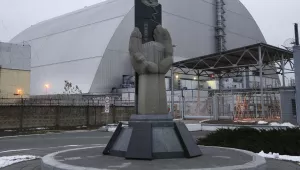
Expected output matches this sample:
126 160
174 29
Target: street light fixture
47 86
19 92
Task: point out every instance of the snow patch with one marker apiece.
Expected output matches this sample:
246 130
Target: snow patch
41 128
72 146
244 121
15 150
274 124
80 127
111 129
262 122
279 157
9 160
286 124
77 131
10 131
194 127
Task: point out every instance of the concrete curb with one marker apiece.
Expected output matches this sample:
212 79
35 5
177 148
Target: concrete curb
48 162
258 162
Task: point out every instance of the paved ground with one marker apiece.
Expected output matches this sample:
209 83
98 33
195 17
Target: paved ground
41 145
212 157
281 165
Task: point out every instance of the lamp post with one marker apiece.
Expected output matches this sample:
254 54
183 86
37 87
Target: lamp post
19 93
47 86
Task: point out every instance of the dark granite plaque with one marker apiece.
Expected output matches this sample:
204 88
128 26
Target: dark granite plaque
147 17
112 140
189 145
140 145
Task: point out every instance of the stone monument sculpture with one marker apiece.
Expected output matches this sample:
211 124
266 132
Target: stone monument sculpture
147 17
152 61
152 133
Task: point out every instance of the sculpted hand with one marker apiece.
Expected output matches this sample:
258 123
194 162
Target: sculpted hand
135 49
138 59
162 36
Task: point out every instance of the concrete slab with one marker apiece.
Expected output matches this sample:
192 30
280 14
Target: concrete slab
214 158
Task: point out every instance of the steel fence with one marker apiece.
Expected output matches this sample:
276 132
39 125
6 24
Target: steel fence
190 104
64 102
243 105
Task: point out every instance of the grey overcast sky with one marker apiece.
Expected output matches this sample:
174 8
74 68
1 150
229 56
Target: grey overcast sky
274 17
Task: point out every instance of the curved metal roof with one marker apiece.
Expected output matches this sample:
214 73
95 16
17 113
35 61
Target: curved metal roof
78 35
230 60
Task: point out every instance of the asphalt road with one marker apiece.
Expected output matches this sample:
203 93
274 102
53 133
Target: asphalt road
63 139
41 145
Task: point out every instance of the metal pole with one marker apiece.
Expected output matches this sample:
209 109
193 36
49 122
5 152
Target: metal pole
136 93
198 80
296 35
261 82
182 105
198 92
232 104
256 114
283 71
256 95
172 90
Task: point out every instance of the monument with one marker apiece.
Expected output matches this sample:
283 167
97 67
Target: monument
152 133
147 17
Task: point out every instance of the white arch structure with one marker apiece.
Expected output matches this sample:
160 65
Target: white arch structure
89 47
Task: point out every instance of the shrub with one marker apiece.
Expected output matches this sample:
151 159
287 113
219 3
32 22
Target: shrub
282 141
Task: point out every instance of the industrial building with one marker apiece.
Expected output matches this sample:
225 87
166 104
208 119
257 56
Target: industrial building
223 66
89 47
14 70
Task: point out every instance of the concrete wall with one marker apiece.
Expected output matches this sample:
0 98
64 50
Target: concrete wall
13 80
12 117
287 108
15 56
297 79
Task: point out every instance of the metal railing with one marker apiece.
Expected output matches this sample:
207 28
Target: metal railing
63 102
191 104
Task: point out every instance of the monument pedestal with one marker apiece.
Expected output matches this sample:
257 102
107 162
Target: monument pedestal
151 137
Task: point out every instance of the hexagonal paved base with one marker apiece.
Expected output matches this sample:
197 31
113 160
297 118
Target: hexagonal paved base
213 158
